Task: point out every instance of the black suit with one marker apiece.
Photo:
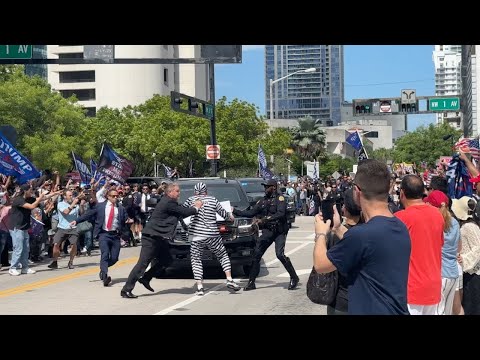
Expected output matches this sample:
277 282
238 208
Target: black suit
160 228
109 241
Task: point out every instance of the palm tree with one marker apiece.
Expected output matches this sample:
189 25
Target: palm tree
308 139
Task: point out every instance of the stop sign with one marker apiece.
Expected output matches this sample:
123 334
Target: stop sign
213 152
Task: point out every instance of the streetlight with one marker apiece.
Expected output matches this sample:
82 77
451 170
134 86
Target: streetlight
303 71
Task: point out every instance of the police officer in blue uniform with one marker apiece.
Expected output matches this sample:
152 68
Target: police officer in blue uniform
271 214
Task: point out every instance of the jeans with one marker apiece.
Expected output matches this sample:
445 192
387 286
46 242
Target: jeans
88 240
21 248
3 240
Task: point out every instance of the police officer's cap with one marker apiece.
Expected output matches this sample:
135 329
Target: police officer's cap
270 182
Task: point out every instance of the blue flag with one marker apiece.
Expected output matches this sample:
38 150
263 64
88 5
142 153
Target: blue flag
97 175
12 163
354 140
82 169
265 172
113 165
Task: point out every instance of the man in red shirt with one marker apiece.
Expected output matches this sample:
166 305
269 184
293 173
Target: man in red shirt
425 226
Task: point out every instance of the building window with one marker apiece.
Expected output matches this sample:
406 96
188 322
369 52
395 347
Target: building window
165 76
81 94
70 56
371 134
90 112
77 76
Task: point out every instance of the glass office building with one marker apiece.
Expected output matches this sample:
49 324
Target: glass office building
38 52
317 94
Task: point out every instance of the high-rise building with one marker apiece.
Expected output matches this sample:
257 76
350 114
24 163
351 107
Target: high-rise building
317 94
120 85
448 78
470 89
38 52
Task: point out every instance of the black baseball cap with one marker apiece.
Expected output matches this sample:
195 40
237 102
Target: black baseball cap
270 182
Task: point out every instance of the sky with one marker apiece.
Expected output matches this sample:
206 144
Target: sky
373 71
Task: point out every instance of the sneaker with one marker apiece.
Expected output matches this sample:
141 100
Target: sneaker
53 265
14 272
28 271
84 250
232 285
200 292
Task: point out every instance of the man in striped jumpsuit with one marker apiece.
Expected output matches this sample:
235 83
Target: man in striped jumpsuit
203 233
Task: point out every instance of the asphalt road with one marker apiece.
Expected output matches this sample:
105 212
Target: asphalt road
80 291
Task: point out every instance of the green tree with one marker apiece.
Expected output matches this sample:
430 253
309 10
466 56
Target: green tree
49 127
426 144
335 163
308 139
382 154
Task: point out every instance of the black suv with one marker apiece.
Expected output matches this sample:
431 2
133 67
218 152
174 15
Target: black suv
239 237
256 191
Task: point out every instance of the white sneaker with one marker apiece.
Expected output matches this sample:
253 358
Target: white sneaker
232 285
200 292
84 250
28 271
13 272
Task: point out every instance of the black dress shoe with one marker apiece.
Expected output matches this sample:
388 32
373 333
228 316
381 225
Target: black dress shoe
145 283
128 295
250 286
107 280
293 283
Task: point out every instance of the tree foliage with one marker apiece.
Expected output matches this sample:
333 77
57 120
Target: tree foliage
426 144
308 139
49 127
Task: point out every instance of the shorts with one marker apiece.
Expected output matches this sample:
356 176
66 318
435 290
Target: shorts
66 234
459 283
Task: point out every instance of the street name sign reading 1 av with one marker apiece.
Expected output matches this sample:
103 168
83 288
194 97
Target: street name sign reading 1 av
444 104
213 152
15 51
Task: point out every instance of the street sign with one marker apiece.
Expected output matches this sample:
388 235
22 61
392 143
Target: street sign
209 111
444 104
213 152
15 51
408 96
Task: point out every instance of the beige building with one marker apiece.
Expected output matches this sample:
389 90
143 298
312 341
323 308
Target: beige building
120 85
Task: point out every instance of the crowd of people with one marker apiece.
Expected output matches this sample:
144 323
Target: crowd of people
404 245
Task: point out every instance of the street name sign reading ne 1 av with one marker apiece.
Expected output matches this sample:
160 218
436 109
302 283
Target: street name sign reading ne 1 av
15 51
444 104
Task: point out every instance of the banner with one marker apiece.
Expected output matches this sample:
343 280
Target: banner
96 174
315 171
82 168
12 163
113 165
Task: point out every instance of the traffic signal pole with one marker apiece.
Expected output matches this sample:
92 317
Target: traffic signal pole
213 135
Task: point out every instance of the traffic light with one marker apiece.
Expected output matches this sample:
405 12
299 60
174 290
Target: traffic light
362 107
192 106
410 108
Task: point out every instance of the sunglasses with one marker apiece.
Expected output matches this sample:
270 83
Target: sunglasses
113 196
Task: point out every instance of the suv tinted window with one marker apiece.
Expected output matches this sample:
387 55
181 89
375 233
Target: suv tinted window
222 191
252 185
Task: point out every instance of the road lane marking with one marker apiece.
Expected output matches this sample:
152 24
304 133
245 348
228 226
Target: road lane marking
218 287
62 278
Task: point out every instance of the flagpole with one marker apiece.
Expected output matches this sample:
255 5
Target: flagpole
258 159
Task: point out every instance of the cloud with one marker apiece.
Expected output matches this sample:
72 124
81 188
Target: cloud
252 47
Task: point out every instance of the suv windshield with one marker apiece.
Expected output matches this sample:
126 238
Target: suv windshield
251 186
223 192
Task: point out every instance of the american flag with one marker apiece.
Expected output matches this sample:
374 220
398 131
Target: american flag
468 145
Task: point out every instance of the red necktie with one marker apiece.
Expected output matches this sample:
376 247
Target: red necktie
110 218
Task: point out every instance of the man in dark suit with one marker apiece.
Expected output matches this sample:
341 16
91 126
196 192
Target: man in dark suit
110 220
155 236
